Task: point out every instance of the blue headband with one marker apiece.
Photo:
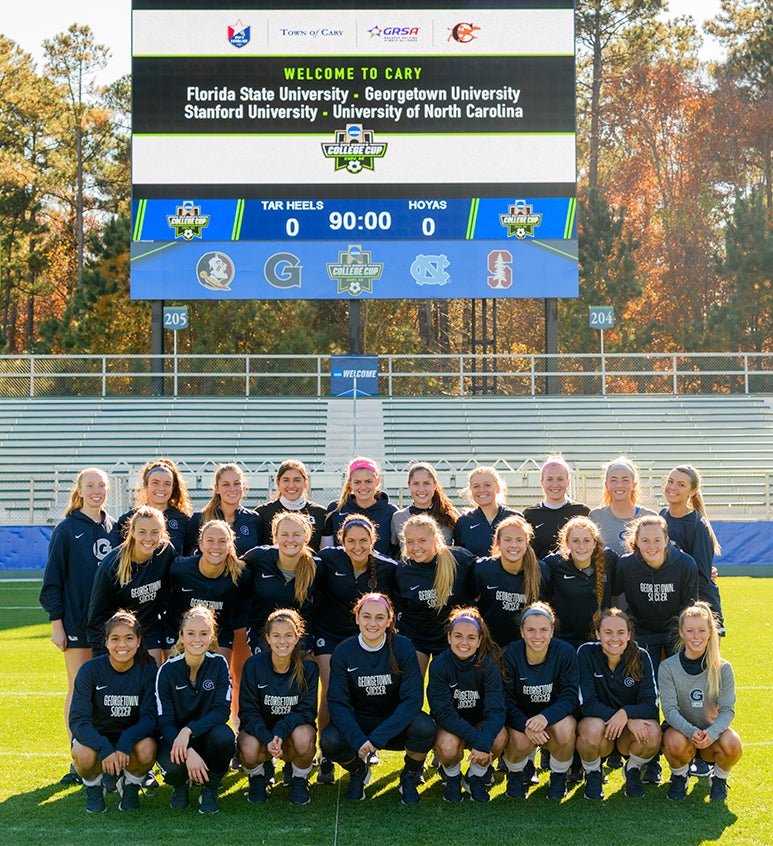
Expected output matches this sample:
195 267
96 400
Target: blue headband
357 522
530 612
465 619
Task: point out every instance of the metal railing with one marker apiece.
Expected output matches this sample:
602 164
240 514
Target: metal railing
399 375
39 500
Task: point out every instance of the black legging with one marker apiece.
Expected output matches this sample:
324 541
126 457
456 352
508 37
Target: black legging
215 746
417 737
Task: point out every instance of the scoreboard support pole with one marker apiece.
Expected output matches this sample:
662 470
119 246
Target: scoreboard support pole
157 347
355 323
551 343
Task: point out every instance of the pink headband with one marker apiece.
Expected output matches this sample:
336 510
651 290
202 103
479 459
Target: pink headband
363 464
374 597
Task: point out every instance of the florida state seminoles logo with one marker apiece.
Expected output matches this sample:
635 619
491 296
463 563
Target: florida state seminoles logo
215 271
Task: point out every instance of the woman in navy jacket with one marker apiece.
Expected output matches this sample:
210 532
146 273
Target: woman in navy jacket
580 579
375 700
618 702
541 683
278 708
193 694
362 494
113 715
135 576
78 545
467 701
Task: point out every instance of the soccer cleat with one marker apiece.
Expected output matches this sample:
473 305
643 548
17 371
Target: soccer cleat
557 786
530 774
476 785
181 796
544 759
516 785
130 795
453 791
151 782
299 790
270 770
593 788
633 784
718 792
575 773
488 779
614 760
327 772
700 768
256 791
677 789
653 772
208 803
407 787
95 799
71 777
357 781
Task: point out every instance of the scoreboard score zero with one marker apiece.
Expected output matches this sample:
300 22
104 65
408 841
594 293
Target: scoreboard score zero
297 152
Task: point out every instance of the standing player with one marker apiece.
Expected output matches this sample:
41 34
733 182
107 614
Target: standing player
475 528
134 577
621 503
580 580
160 486
226 504
113 716
690 530
78 544
658 580
375 699
282 575
509 580
549 516
467 702
428 497
430 580
618 702
541 683
214 577
362 494
193 693
345 573
278 708
228 492
292 487
697 693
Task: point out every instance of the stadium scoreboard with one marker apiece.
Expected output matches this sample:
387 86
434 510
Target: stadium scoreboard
298 152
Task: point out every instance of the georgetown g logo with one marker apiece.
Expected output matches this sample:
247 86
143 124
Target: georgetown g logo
283 270
696 697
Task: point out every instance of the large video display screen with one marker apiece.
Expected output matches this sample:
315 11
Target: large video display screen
420 150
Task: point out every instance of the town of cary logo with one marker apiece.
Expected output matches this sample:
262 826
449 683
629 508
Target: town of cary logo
188 221
520 220
354 149
355 271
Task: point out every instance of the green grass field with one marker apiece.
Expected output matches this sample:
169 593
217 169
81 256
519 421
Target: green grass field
35 809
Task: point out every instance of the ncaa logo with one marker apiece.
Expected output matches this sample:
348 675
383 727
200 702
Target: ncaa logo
101 548
208 684
283 270
628 681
